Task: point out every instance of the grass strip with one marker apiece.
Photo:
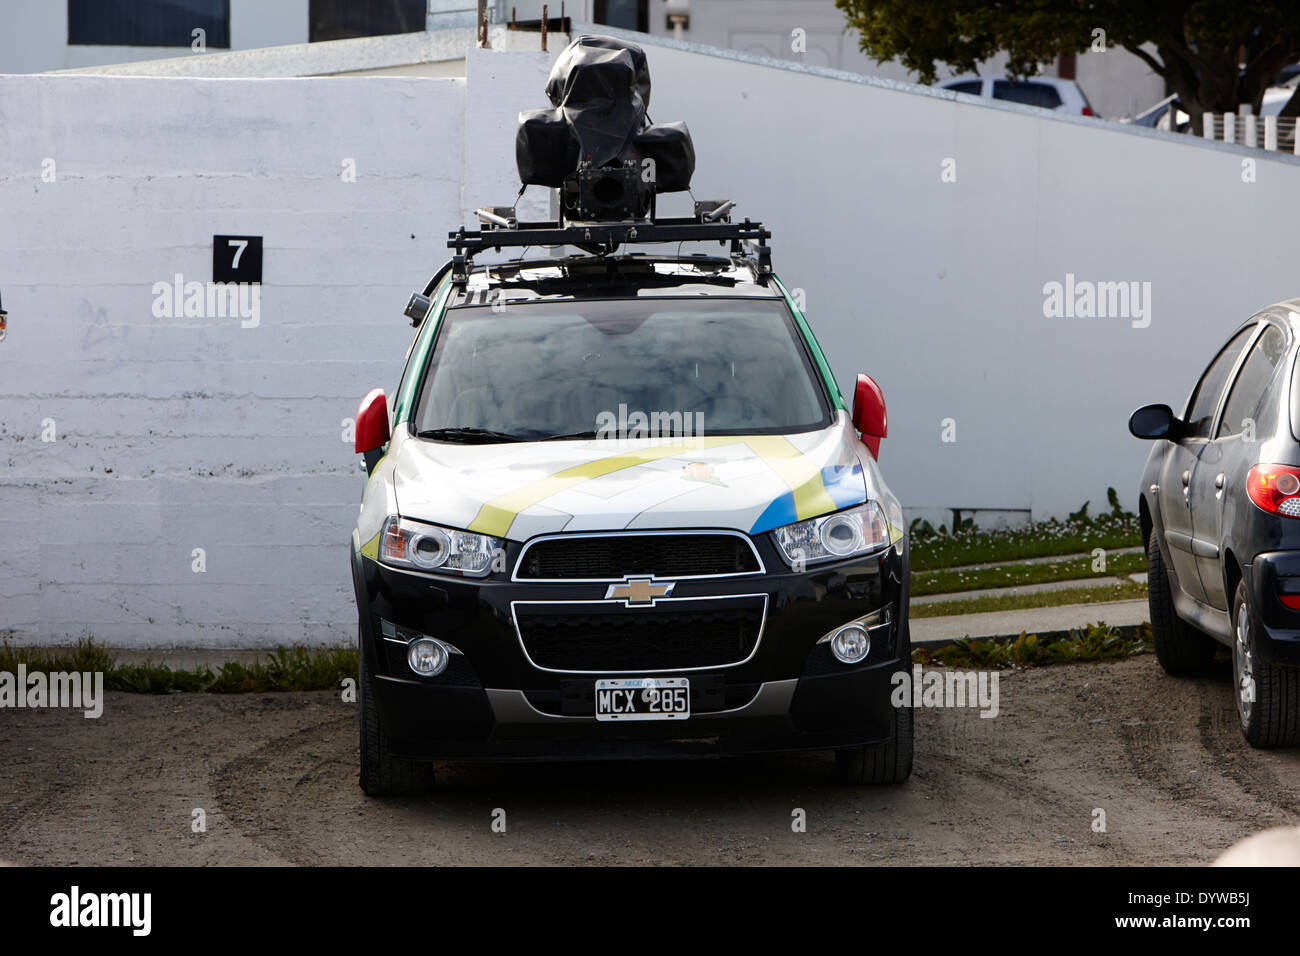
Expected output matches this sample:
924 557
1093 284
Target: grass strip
1096 642
284 669
973 546
946 581
967 544
1124 591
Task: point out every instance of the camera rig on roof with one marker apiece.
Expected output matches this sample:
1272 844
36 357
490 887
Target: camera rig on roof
500 229
608 162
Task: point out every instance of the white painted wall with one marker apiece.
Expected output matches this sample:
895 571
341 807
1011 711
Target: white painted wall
175 434
229 439
438 53
34 34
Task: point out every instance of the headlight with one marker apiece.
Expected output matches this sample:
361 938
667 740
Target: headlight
842 534
895 524
428 547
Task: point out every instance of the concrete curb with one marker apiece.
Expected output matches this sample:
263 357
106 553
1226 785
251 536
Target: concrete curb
1044 637
1058 620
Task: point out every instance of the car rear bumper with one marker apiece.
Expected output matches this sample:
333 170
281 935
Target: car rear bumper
1269 575
495 702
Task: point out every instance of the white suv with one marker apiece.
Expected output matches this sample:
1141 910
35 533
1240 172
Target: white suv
1048 92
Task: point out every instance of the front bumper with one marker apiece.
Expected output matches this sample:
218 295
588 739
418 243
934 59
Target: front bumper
496 702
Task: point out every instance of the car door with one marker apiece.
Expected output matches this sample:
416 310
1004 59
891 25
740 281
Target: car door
1180 461
1221 458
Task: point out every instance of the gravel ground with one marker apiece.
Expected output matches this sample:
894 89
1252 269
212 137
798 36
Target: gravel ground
276 776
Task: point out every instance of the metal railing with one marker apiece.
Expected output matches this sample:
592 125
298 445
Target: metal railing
1274 133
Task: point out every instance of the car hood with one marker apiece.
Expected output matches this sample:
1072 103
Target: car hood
517 490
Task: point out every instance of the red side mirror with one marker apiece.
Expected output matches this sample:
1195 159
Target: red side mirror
372 423
869 413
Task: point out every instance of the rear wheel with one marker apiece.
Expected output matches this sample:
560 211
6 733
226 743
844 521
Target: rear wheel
1268 697
890 761
382 774
1180 648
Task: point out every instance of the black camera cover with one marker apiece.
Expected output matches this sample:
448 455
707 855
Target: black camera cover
599 89
670 146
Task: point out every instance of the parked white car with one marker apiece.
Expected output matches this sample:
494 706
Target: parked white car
1276 97
1048 92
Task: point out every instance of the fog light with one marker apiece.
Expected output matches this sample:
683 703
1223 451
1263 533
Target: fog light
850 644
426 657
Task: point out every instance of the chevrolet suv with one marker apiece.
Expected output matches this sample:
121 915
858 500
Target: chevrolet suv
619 508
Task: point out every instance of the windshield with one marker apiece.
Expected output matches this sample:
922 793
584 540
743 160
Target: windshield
619 369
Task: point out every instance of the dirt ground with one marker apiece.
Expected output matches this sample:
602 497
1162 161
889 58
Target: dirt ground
276 778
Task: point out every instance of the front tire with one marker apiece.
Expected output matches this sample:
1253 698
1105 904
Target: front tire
888 762
382 774
1267 696
1180 648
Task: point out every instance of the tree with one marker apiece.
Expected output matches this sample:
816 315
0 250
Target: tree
1214 54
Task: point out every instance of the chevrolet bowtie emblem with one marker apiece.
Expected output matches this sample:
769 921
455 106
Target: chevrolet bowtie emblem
640 590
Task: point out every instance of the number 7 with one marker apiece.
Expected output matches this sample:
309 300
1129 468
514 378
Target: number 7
242 244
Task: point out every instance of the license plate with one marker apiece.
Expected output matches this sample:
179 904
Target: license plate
643 698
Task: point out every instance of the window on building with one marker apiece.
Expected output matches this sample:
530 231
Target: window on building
148 22
627 14
344 19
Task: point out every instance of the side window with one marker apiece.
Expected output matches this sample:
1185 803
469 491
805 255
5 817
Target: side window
406 364
418 350
1248 390
1031 94
1205 397
966 86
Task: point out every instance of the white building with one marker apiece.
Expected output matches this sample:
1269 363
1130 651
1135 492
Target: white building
44 35
57 35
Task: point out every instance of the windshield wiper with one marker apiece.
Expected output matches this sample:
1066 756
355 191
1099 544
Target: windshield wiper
574 437
468 435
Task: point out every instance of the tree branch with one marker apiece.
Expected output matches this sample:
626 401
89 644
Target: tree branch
1147 58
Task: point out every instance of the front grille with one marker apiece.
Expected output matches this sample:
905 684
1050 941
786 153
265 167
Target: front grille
616 556
609 639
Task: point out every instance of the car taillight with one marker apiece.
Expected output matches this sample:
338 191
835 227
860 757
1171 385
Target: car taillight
1275 488
1087 111
1288 592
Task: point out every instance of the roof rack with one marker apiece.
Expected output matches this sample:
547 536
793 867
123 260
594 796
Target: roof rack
711 222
